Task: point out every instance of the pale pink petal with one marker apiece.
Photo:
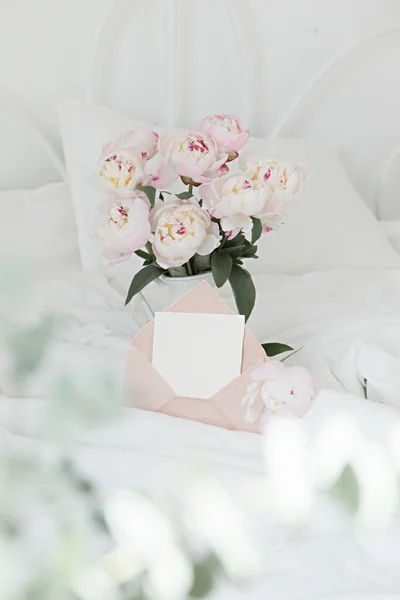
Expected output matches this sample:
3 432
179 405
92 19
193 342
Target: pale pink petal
236 222
271 369
253 403
162 174
211 241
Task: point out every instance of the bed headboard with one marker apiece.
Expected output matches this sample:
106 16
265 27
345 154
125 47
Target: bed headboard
174 61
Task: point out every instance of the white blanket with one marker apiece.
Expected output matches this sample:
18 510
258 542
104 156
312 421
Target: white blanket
348 323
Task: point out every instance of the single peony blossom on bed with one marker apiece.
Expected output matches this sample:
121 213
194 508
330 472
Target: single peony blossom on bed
194 156
121 171
234 199
181 230
142 140
278 390
227 131
124 224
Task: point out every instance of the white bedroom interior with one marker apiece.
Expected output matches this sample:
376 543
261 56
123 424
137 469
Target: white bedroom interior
307 511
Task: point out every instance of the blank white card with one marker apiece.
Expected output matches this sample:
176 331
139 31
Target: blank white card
198 354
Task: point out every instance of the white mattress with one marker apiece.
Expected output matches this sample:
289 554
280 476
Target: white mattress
332 315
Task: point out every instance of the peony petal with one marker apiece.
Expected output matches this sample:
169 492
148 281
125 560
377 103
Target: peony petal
253 402
271 369
211 241
236 222
162 174
195 172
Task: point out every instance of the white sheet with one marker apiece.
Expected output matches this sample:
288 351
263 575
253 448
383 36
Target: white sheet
326 313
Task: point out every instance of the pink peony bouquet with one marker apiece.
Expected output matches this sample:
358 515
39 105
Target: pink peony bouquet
213 224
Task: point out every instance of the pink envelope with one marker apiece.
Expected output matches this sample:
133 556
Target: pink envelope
146 389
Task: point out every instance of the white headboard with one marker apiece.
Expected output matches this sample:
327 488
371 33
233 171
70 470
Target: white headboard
174 61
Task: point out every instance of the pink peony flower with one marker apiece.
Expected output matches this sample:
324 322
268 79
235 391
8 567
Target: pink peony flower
123 224
283 180
234 199
193 155
121 170
182 229
278 390
227 131
137 140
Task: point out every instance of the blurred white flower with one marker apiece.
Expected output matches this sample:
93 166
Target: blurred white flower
378 486
335 446
146 533
287 457
94 584
214 517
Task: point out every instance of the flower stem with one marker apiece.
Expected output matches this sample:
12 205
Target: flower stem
189 268
191 188
224 239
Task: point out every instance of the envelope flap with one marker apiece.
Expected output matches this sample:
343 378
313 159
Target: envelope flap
201 299
253 352
143 341
144 386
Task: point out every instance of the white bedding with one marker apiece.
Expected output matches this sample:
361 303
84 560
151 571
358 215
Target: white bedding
337 317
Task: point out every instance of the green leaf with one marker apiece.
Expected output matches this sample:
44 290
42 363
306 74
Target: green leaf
236 241
243 290
149 249
234 251
178 272
142 279
203 263
250 252
143 254
274 349
292 354
150 192
161 196
184 195
257 230
221 266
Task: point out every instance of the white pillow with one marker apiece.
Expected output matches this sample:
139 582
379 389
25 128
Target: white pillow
85 130
327 227
37 227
